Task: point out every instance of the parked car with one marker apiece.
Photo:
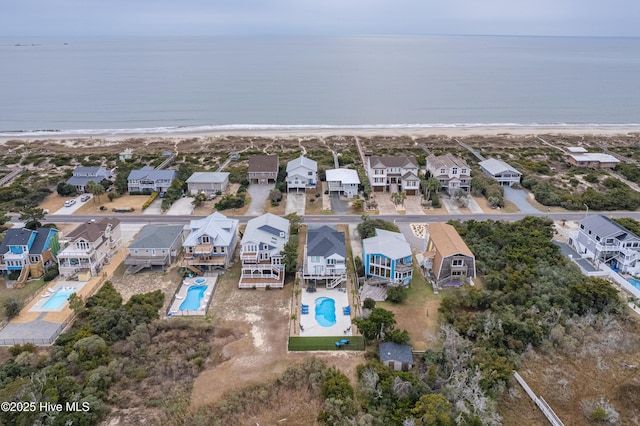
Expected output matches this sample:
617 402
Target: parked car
85 197
162 194
69 203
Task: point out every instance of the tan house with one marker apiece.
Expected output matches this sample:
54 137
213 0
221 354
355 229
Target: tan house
448 258
263 168
90 246
452 172
592 160
393 174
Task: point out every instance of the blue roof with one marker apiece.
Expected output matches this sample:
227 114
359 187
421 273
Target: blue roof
390 351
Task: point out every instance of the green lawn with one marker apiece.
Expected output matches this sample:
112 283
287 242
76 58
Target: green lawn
325 343
21 293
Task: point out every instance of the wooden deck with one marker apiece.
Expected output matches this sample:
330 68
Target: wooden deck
377 293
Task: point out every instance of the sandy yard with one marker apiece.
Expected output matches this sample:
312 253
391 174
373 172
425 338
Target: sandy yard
146 281
93 206
53 202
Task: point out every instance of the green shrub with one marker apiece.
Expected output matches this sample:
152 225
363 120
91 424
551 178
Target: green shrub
151 199
396 294
12 307
51 273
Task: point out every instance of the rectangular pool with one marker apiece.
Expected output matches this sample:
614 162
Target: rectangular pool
58 299
634 282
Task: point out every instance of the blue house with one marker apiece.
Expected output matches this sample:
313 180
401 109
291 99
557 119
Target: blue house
387 258
25 248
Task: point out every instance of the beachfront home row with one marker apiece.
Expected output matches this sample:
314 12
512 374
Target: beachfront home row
500 171
155 246
27 251
89 247
210 243
148 180
302 174
448 259
261 252
393 174
387 258
452 172
606 242
325 255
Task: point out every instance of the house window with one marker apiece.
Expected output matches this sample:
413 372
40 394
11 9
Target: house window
609 240
454 171
457 262
331 261
597 238
463 171
82 245
205 239
315 259
443 171
309 173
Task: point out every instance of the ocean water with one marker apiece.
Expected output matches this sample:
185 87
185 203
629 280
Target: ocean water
145 84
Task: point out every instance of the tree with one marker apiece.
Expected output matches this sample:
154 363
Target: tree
65 189
94 188
429 186
379 322
367 227
461 198
122 177
185 170
399 198
290 255
12 307
199 199
4 218
294 221
433 409
369 303
397 294
275 195
32 217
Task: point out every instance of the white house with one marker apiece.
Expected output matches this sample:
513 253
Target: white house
260 252
210 244
343 181
501 171
452 172
82 175
208 182
125 155
302 173
606 242
325 255
393 174
90 246
150 180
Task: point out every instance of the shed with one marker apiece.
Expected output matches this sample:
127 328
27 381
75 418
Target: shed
398 357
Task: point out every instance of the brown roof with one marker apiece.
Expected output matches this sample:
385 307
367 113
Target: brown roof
447 240
393 161
447 160
92 230
263 163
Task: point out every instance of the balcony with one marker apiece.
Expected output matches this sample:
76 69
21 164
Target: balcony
249 256
206 260
404 267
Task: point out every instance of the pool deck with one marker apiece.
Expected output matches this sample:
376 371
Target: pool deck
310 326
46 295
181 294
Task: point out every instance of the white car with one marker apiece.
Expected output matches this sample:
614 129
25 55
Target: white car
69 203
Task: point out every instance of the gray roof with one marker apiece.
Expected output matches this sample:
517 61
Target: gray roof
302 161
401 161
495 166
89 169
41 239
152 174
220 228
208 177
15 237
266 229
390 244
84 180
157 236
325 241
606 227
447 160
390 351
345 176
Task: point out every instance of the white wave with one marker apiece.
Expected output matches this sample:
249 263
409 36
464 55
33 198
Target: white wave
285 127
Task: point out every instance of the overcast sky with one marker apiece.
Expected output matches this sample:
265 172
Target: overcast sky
212 17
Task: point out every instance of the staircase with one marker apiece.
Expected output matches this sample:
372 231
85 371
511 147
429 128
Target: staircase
22 279
335 282
193 269
377 281
132 269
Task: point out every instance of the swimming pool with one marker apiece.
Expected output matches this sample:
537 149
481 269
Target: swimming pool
634 282
58 299
194 296
325 311
200 280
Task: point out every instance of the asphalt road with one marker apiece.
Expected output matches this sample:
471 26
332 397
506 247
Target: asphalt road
329 219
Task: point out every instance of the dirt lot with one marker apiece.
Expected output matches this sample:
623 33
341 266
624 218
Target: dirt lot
93 206
53 202
262 316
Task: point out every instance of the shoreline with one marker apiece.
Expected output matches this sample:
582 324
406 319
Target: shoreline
302 131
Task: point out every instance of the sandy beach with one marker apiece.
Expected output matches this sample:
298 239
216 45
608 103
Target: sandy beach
609 130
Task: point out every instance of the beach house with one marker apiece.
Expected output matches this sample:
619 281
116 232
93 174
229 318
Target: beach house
263 168
325 256
209 183
302 174
592 160
448 259
387 258
606 242
148 180
343 181
28 252
210 243
82 175
393 174
155 246
500 171
261 252
90 246
452 172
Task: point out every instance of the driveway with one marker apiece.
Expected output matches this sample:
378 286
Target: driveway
259 194
412 204
519 198
154 208
295 203
385 205
180 207
73 208
339 205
